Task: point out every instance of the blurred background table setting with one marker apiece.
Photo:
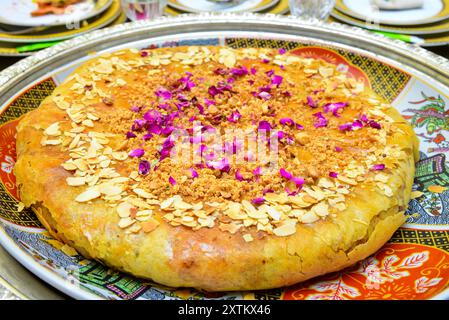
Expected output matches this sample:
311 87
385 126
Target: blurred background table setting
28 26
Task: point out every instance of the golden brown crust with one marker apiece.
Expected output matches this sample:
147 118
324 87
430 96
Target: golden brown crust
209 258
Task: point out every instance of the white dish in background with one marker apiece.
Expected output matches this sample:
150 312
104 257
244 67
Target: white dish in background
209 6
432 11
18 13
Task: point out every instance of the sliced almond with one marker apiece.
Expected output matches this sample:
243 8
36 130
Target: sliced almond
126 222
135 228
287 228
309 217
235 212
89 194
69 166
229 227
167 203
248 238
124 209
120 155
76 181
20 206
144 194
149 225
53 130
349 181
321 209
110 189
273 213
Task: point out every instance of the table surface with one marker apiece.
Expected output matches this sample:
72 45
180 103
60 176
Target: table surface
6 291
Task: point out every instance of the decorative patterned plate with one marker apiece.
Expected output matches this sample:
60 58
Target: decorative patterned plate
281 7
61 33
430 40
414 264
18 13
432 11
208 6
8 49
428 29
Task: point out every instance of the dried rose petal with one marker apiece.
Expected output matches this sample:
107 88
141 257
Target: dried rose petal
186 84
222 165
378 167
264 95
356 125
264 125
338 149
137 153
291 193
311 103
194 173
287 175
238 175
130 135
144 167
282 51
333 174
153 116
258 201
240 71
277 80
220 71
257 171
253 71
208 102
164 94
213 91
364 118
234 117
298 181
335 108
374 124
287 121
345 127
172 181
321 120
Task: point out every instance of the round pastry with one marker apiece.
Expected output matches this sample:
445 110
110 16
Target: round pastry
216 168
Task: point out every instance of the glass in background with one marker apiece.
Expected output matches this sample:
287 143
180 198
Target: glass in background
319 9
143 9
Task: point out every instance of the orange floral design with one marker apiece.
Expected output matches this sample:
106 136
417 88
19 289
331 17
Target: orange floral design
334 58
397 271
8 156
391 291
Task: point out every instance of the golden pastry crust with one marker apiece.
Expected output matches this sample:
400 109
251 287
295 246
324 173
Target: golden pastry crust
330 224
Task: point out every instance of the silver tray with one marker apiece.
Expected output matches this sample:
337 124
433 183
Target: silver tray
423 64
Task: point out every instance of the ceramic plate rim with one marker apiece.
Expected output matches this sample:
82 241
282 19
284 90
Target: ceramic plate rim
106 17
9 75
342 7
341 16
88 15
120 19
258 8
